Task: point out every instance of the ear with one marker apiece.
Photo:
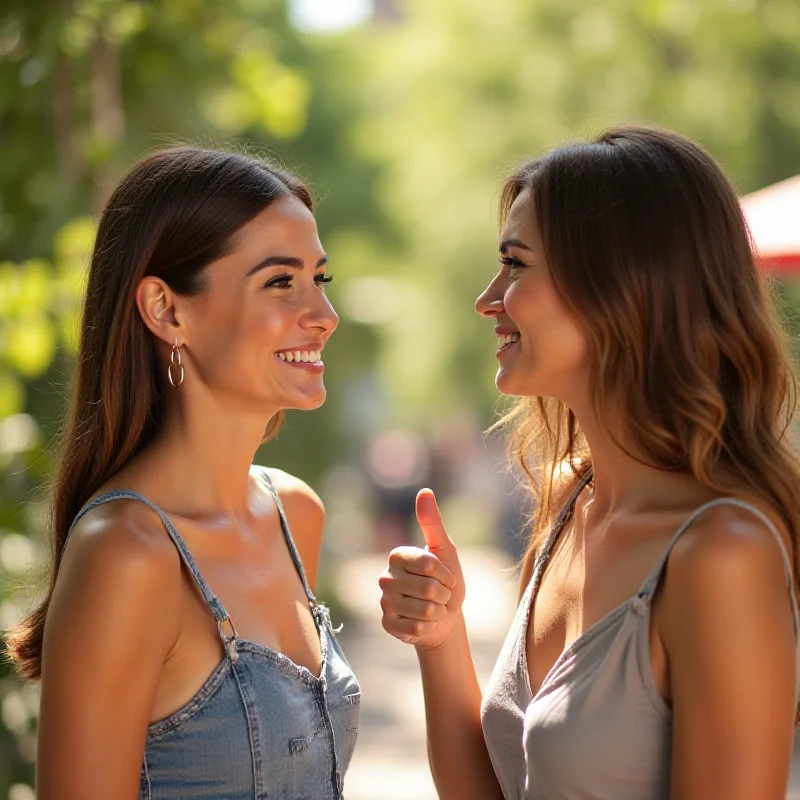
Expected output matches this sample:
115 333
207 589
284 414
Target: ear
156 304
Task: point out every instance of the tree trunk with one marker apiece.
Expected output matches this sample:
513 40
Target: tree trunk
108 115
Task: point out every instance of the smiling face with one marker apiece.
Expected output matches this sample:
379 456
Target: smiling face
256 332
542 348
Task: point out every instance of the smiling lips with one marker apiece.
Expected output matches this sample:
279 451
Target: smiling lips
308 358
505 339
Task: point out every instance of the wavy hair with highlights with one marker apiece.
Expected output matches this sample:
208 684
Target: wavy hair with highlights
689 367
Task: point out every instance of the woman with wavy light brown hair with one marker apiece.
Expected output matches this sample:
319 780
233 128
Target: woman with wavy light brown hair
654 651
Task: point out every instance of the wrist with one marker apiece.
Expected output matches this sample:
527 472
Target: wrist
454 642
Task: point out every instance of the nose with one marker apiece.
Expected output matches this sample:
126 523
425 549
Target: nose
490 301
321 314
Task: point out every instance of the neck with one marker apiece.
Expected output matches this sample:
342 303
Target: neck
623 484
201 457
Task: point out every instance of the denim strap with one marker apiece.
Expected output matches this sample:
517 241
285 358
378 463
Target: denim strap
288 536
217 609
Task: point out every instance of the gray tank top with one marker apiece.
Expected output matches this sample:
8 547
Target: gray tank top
598 728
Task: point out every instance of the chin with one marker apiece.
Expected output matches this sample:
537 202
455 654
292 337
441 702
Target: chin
507 384
519 386
308 402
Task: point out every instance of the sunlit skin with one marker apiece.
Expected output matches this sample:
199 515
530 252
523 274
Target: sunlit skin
723 600
124 612
266 296
549 358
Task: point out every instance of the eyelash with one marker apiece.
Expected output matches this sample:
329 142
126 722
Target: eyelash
286 280
511 263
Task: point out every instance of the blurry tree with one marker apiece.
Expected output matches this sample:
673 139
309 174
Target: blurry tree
463 90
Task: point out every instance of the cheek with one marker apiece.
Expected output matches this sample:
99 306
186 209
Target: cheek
545 323
256 324
234 338
264 327
532 305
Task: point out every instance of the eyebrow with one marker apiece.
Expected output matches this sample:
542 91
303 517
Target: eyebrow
506 243
285 261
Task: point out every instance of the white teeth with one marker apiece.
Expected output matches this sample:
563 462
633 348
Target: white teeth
507 338
308 356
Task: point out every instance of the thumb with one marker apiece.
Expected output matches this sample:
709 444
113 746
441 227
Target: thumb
430 520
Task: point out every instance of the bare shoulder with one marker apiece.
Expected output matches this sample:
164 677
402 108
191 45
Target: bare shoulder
729 543
119 559
123 534
113 619
301 502
727 622
728 565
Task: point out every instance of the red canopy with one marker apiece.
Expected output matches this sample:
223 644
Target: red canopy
773 215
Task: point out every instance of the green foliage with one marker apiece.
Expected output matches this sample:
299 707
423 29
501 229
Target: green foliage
405 127
463 90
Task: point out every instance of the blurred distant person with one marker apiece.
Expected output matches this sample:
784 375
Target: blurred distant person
654 651
181 651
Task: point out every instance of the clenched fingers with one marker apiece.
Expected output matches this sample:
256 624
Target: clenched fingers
408 630
416 561
412 608
415 586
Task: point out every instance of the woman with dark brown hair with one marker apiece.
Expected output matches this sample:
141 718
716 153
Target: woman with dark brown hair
654 651
181 650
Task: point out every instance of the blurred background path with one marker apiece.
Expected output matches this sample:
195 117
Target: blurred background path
390 761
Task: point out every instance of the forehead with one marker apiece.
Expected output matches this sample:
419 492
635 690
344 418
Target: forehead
286 224
521 221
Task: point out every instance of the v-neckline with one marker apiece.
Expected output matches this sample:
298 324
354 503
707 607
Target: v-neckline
529 598
594 630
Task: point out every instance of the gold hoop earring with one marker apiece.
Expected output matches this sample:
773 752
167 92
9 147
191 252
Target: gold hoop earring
175 361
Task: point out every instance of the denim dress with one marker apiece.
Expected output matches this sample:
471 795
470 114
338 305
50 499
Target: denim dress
261 726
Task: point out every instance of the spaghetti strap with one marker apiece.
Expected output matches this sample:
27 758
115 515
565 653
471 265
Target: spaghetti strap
651 582
558 525
216 607
298 564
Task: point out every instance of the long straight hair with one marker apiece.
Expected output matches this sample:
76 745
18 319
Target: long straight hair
648 248
173 214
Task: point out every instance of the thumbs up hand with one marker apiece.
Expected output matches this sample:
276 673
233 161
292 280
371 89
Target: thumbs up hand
423 589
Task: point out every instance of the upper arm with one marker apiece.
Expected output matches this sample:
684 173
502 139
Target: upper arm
728 630
112 620
306 516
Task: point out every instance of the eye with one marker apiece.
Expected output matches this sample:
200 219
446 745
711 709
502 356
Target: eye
511 263
285 281
279 282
